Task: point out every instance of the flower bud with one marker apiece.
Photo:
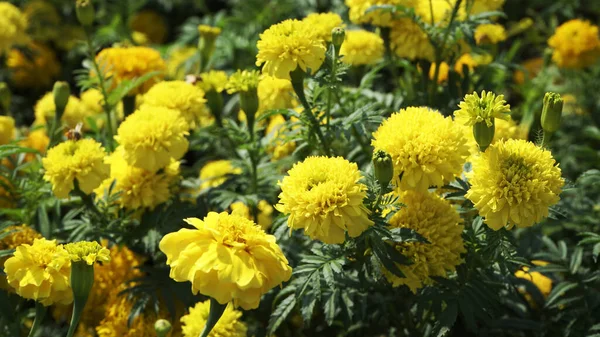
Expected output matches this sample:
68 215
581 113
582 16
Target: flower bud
484 134
162 327
551 112
337 37
384 168
85 12
5 97
61 93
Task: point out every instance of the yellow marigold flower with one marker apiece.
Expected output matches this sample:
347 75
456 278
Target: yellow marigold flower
361 47
182 61
151 24
513 183
209 32
7 129
92 100
152 137
216 172
531 68
288 45
575 44
13 26
19 235
358 11
427 149
438 222
323 24
465 60
229 325
279 147
480 6
82 160
226 257
41 271
127 63
542 282
243 81
264 216
138 187
475 109
74 113
43 20
409 41
275 93
442 73
87 251
436 11
213 80
490 33
37 140
181 96
36 69
324 196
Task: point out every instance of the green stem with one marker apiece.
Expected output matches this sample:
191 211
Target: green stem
216 311
40 312
298 85
82 281
85 198
546 138
332 84
389 55
128 105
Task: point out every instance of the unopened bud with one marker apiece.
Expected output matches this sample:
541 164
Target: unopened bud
85 12
384 168
551 112
5 97
337 37
61 93
484 135
162 327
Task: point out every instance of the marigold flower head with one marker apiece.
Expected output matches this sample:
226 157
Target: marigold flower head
213 80
87 251
92 101
226 257
7 129
437 11
323 24
324 196
361 47
442 73
490 33
181 96
37 140
74 113
409 41
181 62
19 235
275 93
40 271
288 45
37 68
541 281
279 147
243 81
426 148
575 44
465 60
151 24
138 188
152 136
216 172
82 160
513 183
358 11
437 221
485 109
264 216
531 68
480 6
127 63
13 26
229 325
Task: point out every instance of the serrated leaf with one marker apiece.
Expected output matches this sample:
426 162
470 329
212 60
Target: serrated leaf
576 260
330 307
558 291
446 320
281 312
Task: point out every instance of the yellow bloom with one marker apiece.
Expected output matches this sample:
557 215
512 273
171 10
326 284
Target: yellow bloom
513 183
229 325
275 93
323 24
19 235
490 33
152 137
127 63
542 282
209 32
181 96
82 160
138 188
41 271
226 257
87 251
361 47
243 81
475 109
480 6
465 60
442 74
151 24
37 140
13 25
92 101
74 113
409 41
36 69
531 67
181 62
575 44
264 216
279 146
438 222
43 20
358 8
437 11
427 149
7 129
216 172
324 196
288 45
213 80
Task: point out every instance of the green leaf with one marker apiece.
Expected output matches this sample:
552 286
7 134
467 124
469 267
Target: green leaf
330 307
126 86
446 320
6 252
11 149
576 260
281 312
407 235
559 291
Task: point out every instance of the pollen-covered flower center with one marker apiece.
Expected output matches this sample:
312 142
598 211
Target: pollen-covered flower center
515 170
